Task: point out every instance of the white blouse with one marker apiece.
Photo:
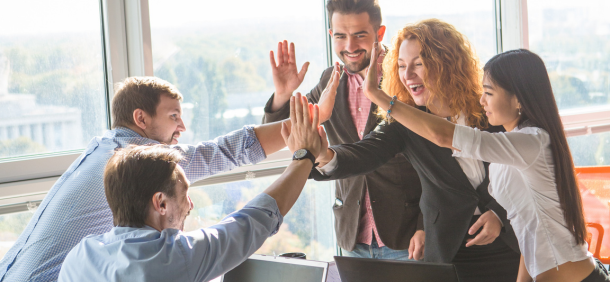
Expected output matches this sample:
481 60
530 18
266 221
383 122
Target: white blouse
522 180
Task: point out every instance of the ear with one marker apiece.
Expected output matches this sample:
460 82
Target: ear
159 203
380 33
140 118
330 31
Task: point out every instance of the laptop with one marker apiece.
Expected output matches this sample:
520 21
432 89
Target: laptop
261 268
366 270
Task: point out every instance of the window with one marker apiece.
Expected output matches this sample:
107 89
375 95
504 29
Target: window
573 39
473 18
219 60
52 90
11 225
307 228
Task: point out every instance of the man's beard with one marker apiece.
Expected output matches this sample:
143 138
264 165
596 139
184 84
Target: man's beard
356 67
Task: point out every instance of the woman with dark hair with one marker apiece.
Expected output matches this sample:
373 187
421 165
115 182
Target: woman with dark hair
433 66
531 171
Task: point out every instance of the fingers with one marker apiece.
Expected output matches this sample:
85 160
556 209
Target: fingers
476 226
316 116
481 239
293 113
272 60
292 56
306 110
298 108
411 248
285 132
285 54
303 71
280 56
323 137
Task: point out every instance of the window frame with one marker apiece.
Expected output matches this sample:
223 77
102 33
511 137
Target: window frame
127 51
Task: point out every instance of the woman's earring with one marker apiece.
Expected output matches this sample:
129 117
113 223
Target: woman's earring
519 110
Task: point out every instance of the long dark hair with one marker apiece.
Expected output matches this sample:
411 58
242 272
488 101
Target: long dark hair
523 73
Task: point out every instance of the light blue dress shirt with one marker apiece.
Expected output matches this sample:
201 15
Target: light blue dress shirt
145 254
76 205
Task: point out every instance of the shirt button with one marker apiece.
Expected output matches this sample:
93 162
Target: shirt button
361 132
360 109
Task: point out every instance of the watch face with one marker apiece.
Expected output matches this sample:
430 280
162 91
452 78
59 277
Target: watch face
300 153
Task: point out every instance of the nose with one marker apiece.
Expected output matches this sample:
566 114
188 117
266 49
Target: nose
191 205
351 45
482 100
181 126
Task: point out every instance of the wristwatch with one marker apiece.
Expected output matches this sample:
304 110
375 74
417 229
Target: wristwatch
301 154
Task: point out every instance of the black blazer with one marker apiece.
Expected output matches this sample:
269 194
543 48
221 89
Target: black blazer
448 200
394 187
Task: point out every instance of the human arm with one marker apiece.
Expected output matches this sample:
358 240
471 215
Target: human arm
523 275
364 156
490 227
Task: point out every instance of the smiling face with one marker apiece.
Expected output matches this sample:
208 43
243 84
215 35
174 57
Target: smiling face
167 124
501 107
180 206
353 38
411 71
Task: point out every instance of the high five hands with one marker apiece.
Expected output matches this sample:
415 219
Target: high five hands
371 85
304 130
287 79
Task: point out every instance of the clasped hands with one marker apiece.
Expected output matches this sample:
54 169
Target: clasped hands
304 130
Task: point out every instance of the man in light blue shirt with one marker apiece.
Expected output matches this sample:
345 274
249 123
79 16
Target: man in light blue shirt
147 192
145 110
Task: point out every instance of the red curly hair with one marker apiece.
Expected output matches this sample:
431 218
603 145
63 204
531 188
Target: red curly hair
452 71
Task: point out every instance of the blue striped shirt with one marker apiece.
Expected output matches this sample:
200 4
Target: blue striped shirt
76 205
145 254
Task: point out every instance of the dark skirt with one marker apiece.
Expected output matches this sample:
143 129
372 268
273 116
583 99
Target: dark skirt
599 274
493 262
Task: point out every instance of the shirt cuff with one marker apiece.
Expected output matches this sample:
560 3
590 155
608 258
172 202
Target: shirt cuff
330 166
266 203
255 150
463 140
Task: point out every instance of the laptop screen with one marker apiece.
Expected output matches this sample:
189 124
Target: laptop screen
275 269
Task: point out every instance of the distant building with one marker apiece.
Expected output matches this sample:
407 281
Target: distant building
55 127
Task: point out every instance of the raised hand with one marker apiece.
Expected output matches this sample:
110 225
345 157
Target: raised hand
305 131
327 98
371 82
286 78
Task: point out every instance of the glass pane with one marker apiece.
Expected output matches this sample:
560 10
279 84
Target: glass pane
11 226
307 228
573 39
218 56
473 18
52 95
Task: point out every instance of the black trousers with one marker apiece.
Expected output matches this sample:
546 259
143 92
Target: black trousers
599 274
495 262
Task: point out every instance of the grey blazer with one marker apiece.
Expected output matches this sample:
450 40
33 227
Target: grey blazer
394 188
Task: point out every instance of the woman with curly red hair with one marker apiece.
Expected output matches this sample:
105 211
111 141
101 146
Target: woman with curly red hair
434 67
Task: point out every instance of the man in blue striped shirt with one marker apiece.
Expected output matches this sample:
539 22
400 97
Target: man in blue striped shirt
148 195
146 110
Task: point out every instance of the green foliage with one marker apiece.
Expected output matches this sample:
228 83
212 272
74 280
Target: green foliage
20 146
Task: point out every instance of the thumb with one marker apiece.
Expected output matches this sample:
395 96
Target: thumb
303 71
476 226
285 132
323 140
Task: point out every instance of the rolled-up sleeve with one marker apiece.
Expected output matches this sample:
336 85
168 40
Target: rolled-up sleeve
224 153
210 252
519 149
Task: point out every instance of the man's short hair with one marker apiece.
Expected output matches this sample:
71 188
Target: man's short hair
139 93
346 7
133 175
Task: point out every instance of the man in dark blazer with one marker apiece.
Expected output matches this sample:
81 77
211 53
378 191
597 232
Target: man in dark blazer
377 214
